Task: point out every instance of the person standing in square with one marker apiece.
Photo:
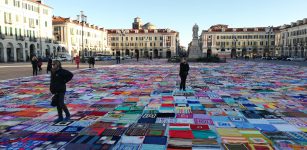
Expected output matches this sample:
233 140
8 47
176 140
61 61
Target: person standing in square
183 73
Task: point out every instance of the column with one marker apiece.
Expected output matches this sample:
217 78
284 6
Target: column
15 54
24 55
4 53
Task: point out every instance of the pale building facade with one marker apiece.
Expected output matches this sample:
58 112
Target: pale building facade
293 39
25 30
238 42
68 34
144 41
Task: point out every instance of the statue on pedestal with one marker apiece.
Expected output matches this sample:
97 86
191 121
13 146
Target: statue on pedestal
194 49
195 31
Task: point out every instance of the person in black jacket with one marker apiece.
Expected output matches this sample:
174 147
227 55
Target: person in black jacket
183 73
89 61
34 63
93 61
59 78
49 65
39 63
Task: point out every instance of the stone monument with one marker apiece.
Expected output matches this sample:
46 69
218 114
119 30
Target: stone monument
194 50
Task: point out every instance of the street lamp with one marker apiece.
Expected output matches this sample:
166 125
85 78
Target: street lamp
269 29
83 19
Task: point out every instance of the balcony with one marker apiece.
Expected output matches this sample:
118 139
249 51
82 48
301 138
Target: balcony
33 39
20 38
48 41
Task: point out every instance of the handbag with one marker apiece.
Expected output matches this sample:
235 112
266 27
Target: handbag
54 100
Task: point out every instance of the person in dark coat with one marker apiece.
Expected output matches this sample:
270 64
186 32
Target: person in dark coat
34 63
117 59
40 63
59 78
93 61
89 61
49 65
183 73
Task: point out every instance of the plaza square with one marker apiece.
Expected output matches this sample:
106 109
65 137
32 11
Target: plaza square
137 105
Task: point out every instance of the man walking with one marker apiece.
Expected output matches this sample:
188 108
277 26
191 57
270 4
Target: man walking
59 78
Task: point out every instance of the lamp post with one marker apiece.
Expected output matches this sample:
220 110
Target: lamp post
83 20
269 29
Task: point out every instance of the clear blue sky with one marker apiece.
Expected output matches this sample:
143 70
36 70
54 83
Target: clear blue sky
181 15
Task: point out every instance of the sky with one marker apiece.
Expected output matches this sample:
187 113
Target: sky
181 15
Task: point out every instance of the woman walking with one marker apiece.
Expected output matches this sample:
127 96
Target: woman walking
34 63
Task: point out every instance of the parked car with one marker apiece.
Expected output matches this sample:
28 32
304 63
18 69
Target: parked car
113 57
290 59
57 58
45 59
106 58
98 58
298 59
274 58
65 58
174 59
127 57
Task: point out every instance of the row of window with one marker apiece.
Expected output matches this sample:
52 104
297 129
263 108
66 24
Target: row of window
16 3
244 37
295 41
299 32
228 49
31 21
142 50
86 41
79 32
136 44
249 43
17 31
58 30
149 38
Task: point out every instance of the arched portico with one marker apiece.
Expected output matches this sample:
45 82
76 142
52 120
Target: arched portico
10 52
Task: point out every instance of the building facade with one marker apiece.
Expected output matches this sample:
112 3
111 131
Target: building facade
238 42
293 39
25 30
144 41
78 38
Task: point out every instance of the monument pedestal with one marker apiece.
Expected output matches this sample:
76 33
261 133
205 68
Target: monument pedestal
195 51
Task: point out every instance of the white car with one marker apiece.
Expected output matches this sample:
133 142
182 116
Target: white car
97 58
57 58
65 58
127 57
